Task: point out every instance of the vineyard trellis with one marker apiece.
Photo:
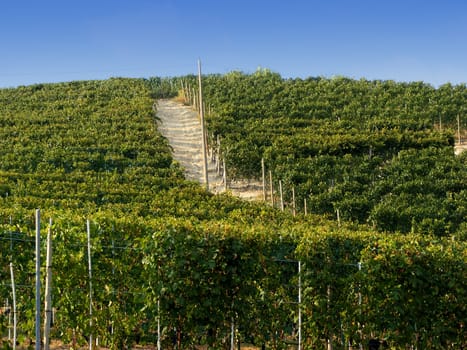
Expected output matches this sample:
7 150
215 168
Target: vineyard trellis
256 279
84 246
168 255
197 278
342 144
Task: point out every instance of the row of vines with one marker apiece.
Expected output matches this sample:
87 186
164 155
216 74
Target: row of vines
166 254
379 152
199 279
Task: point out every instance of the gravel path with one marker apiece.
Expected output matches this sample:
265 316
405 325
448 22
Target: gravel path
182 127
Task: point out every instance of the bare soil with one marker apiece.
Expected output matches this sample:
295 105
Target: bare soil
182 127
459 148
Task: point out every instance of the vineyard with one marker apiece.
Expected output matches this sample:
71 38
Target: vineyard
176 267
379 152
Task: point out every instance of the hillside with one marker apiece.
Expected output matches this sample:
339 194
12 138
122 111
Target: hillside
374 152
82 146
174 263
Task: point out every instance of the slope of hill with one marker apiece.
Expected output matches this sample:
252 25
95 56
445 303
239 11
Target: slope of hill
375 152
82 146
174 263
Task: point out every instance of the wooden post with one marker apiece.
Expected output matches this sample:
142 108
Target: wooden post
13 291
194 98
329 340
299 305
293 201
263 175
305 209
158 324
271 187
338 218
182 87
48 289
38 279
232 334
203 133
8 307
213 150
359 266
187 95
224 176
88 230
459 129
281 195
218 158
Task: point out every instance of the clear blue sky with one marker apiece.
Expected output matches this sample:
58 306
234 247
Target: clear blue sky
63 40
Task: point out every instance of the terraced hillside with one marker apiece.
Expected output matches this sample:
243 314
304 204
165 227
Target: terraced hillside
373 152
156 258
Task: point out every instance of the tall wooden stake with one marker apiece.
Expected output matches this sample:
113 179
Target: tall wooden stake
293 201
263 175
459 129
48 289
299 305
218 158
195 99
158 324
88 230
8 307
224 175
38 279
203 133
282 197
271 187
13 291
232 334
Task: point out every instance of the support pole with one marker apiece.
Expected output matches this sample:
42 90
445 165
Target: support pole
281 195
48 289
459 129
263 176
218 158
195 99
299 305
293 202
158 324
203 133
38 279
88 230
224 176
8 307
13 291
272 188
232 334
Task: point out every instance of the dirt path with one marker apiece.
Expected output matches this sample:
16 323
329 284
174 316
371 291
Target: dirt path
182 127
459 148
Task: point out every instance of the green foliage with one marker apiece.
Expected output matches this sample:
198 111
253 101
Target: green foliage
411 280
338 142
164 249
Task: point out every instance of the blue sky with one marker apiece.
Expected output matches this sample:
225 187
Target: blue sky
402 40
